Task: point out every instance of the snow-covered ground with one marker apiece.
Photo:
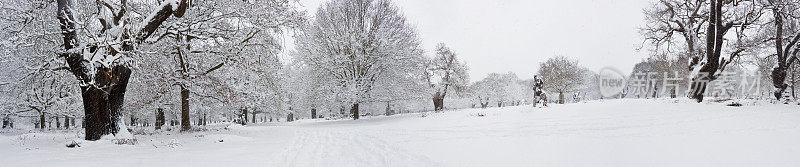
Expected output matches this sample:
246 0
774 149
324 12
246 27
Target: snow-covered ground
599 133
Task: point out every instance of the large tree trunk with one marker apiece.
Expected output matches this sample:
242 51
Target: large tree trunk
41 121
313 113
355 111
438 101
185 122
794 81
784 53
560 97
159 118
779 80
103 107
66 122
700 82
244 117
388 108
441 103
714 41
435 103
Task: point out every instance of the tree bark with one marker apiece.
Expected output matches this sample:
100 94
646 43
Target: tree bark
244 117
560 97
388 108
66 122
355 111
102 107
160 121
714 39
41 121
441 103
794 81
438 101
435 103
290 117
185 122
313 113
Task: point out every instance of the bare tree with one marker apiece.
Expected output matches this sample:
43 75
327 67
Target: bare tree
667 19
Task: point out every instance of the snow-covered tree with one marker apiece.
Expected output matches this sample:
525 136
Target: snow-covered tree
445 73
653 71
590 89
503 89
231 34
786 35
561 75
95 50
34 79
722 17
694 19
357 43
672 24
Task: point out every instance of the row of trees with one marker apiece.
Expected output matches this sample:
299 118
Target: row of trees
196 62
116 64
213 52
562 77
714 36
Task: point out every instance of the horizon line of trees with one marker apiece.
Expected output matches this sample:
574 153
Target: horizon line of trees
182 63
112 66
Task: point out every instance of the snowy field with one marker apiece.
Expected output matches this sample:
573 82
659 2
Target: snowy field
598 133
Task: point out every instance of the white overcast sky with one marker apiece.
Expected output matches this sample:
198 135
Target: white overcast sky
497 36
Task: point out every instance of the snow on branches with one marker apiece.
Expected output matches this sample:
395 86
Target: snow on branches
358 44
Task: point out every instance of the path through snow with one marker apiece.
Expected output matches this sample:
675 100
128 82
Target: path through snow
599 133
